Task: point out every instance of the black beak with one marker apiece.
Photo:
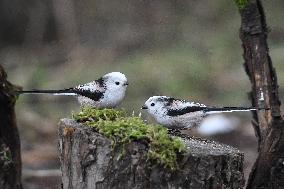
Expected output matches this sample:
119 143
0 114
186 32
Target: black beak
126 83
144 107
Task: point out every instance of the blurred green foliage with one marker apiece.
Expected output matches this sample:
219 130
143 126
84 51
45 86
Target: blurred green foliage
241 3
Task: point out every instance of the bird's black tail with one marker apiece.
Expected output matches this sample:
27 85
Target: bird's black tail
54 92
232 109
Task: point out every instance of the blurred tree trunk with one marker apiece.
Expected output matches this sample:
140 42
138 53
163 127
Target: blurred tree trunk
65 18
10 151
38 18
268 170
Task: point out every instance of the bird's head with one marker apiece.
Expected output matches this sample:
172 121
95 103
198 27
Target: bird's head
157 105
115 81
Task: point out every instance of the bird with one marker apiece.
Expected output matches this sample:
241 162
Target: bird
106 92
181 114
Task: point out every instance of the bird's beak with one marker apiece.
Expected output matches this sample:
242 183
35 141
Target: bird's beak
144 107
125 84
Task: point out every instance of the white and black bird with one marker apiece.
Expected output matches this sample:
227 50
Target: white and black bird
179 114
105 92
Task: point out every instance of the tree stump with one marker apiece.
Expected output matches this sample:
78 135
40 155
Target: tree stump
89 160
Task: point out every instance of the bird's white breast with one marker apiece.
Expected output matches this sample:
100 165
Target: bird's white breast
188 120
112 98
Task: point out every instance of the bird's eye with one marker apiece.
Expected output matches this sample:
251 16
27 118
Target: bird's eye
152 104
117 83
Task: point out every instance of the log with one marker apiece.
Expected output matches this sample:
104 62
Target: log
89 160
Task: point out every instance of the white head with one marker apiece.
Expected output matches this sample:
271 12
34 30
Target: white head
115 81
115 84
157 105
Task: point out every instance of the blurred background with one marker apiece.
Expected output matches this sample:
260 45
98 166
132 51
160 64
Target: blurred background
188 49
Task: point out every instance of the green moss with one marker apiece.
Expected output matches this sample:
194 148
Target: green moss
241 3
88 114
122 129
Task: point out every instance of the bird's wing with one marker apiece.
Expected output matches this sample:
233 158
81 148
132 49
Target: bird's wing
181 107
90 90
91 86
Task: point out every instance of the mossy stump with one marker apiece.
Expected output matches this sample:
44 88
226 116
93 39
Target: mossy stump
89 160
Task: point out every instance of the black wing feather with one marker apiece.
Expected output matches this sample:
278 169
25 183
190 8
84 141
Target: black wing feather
189 109
93 95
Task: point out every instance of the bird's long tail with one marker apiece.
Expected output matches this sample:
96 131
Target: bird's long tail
212 110
53 92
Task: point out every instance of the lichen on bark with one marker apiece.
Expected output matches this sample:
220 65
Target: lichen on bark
5 157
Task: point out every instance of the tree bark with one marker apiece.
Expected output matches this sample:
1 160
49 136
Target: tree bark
10 154
88 160
268 169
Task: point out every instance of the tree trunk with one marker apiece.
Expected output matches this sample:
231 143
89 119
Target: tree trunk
89 161
269 126
10 154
